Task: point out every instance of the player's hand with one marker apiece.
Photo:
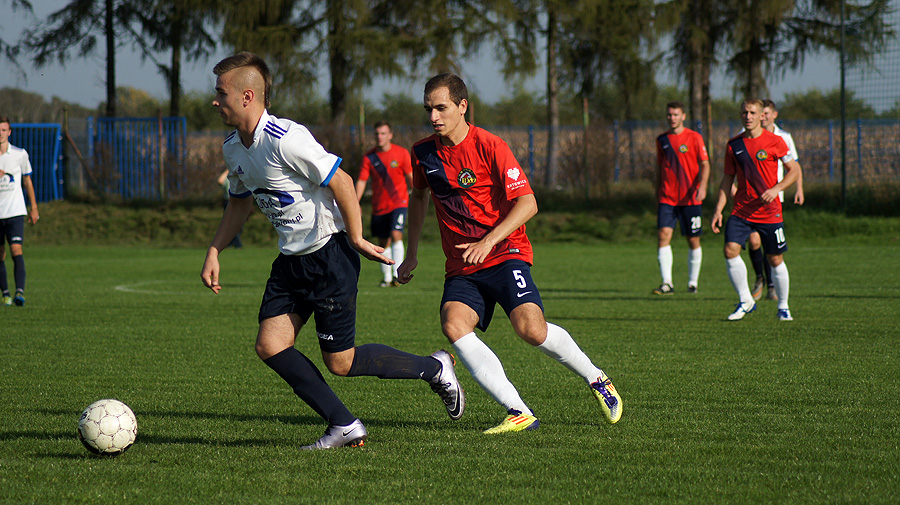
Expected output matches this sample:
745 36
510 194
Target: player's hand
799 198
716 222
210 272
701 194
474 253
371 251
404 273
768 195
33 216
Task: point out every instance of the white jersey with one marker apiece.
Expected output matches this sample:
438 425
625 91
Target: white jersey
792 150
287 172
14 163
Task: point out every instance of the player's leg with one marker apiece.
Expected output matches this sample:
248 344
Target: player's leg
665 220
5 297
773 238
736 232
397 251
381 230
691 222
758 260
16 237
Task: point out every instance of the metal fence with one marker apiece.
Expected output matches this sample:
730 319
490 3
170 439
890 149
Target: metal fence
43 141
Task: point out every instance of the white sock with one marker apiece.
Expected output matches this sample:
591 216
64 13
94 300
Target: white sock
695 258
397 255
782 284
562 347
737 273
665 264
386 269
487 371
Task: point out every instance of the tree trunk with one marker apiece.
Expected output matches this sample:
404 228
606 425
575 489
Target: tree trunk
110 33
337 64
177 41
552 101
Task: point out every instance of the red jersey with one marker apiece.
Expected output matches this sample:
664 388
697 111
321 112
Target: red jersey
388 170
754 163
473 186
678 158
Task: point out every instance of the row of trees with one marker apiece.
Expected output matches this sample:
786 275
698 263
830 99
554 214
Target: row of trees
590 46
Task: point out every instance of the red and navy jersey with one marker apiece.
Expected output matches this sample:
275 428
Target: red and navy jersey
473 186
388 172
754 163
678 158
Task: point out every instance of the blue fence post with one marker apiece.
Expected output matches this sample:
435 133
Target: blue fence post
616 150
530 152
859 144
831 150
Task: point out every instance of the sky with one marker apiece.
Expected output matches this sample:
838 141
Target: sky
81 80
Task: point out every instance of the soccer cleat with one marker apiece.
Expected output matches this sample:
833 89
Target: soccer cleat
664 289
608 398
19 300
447 386
692 290
7 300
395 283
351 435
740 311
785 315
515 421
770 294
758 288
384 284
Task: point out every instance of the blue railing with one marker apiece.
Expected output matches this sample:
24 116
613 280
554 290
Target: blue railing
43 141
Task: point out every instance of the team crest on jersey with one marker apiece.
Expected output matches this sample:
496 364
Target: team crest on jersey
761 155
513 173
466 178
394 164
683 148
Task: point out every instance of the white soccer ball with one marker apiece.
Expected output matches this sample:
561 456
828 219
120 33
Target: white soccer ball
107 427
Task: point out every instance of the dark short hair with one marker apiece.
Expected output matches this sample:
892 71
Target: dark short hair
383 123
247 59
770 104
675 105
453 83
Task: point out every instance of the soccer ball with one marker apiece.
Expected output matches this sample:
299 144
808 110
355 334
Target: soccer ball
107 427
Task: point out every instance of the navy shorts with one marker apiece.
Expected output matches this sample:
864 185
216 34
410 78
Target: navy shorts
12 229
738 230
509 284
323 283
689 217
383 225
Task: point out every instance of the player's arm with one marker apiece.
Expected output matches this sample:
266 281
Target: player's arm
341 185
799 197
33 215
725 189
704 180
360 189
236 214
791 175
418 205
524 209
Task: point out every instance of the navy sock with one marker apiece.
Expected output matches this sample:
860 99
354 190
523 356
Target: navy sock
307 382
4 287
759 261
19 272
386 362
768 268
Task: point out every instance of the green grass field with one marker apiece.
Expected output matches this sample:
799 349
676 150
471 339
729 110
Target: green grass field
714 412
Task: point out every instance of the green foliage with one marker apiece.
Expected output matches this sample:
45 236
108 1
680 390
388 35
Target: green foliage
26 107
817 104
714 411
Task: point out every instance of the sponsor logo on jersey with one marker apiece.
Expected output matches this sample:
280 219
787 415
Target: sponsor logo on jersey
466 178
761 155
683 148
325 336
239 170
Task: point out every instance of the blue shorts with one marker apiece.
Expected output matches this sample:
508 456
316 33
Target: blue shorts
738 230
383 225
12 229
688 216
509 284
323 283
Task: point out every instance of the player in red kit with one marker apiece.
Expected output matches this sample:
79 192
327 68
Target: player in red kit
483 200
680 189
388 167
751 158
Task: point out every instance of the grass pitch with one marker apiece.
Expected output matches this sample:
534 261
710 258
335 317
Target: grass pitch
755 411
